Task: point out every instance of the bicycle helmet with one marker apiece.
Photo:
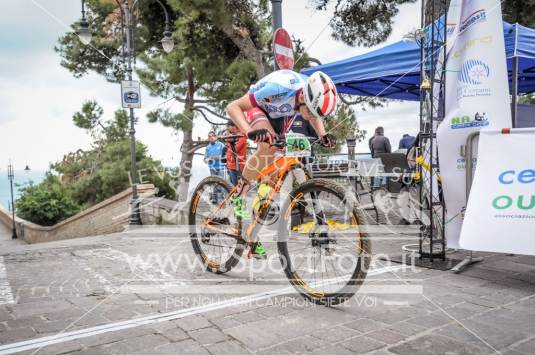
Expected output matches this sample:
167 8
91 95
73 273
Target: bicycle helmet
320 94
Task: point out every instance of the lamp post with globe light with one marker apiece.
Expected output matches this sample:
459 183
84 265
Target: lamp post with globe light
127 23
11 177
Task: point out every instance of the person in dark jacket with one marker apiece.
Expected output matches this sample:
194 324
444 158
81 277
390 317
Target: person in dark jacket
379 144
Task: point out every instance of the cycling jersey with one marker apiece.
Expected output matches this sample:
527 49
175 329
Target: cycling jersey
276 93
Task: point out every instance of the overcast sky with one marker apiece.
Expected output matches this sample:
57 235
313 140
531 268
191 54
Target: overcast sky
38 96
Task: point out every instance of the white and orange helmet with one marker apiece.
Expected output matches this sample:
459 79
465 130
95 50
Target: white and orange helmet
320 94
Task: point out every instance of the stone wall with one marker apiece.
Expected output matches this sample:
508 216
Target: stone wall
108 216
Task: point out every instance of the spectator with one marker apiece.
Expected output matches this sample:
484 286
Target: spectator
406 142
213 156
379 144
240 145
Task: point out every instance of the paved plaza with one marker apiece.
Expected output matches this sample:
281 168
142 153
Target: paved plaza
114 294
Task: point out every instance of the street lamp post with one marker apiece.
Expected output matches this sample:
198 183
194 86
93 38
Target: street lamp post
11 176
167 45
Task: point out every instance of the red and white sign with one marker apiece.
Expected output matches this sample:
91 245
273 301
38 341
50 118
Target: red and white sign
283 49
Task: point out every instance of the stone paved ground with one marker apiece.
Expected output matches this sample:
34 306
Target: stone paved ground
78 284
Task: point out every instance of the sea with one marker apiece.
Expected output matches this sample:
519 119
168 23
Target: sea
22 178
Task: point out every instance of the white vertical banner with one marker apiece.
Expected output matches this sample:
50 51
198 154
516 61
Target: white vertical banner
500 216
477 96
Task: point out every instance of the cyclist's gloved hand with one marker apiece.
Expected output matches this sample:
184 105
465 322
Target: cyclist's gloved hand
328 140
260 135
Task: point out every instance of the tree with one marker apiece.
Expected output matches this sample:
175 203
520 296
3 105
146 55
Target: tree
103 170
521 11
361 23
220 50
343 124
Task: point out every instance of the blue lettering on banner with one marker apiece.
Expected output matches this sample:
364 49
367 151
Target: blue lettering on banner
470 124
502 180
526 176
476 17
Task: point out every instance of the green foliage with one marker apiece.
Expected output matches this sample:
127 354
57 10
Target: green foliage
343 124
46 203
361 23
103 171
521 11
85 178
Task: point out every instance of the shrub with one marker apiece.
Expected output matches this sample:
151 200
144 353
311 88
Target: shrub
46 203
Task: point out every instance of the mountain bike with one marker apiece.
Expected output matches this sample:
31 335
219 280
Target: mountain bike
323 251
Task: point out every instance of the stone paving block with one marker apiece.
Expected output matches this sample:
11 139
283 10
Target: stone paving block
38 308
143 344
436 344
448 300
508 319
71 313
61 348
248 317
398 315
225 322
183 347
431 320
407 329
193 322
272 311
486 274
112 337
53 327
498 338
335 334
386 336
365 325
256 335
362 344
466 310
207 336
333 350
527 347
4 315
10 336
295 346
509 265
174 334
27 322
228 348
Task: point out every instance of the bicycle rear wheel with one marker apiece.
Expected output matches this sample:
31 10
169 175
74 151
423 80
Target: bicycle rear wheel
323 251
214 230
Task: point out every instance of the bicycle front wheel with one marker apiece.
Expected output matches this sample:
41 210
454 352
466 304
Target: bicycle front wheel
215 232
323 251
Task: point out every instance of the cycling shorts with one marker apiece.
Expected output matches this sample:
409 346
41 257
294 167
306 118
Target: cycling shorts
255 115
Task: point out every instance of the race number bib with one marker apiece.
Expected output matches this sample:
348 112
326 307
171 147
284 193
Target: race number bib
297 146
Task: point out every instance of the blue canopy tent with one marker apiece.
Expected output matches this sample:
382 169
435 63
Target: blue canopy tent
394 70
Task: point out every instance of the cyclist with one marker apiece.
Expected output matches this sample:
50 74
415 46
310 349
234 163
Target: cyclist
279 95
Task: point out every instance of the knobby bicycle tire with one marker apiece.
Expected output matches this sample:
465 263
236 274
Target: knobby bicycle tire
211 265
317 185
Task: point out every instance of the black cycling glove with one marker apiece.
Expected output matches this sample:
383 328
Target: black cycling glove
328 141
260 135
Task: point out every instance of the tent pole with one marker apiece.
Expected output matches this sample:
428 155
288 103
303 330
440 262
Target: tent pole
514 89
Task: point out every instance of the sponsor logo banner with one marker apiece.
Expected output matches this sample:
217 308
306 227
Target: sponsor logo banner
500 216
477 96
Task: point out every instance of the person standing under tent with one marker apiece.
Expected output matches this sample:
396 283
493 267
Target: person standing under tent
406 142
379 144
